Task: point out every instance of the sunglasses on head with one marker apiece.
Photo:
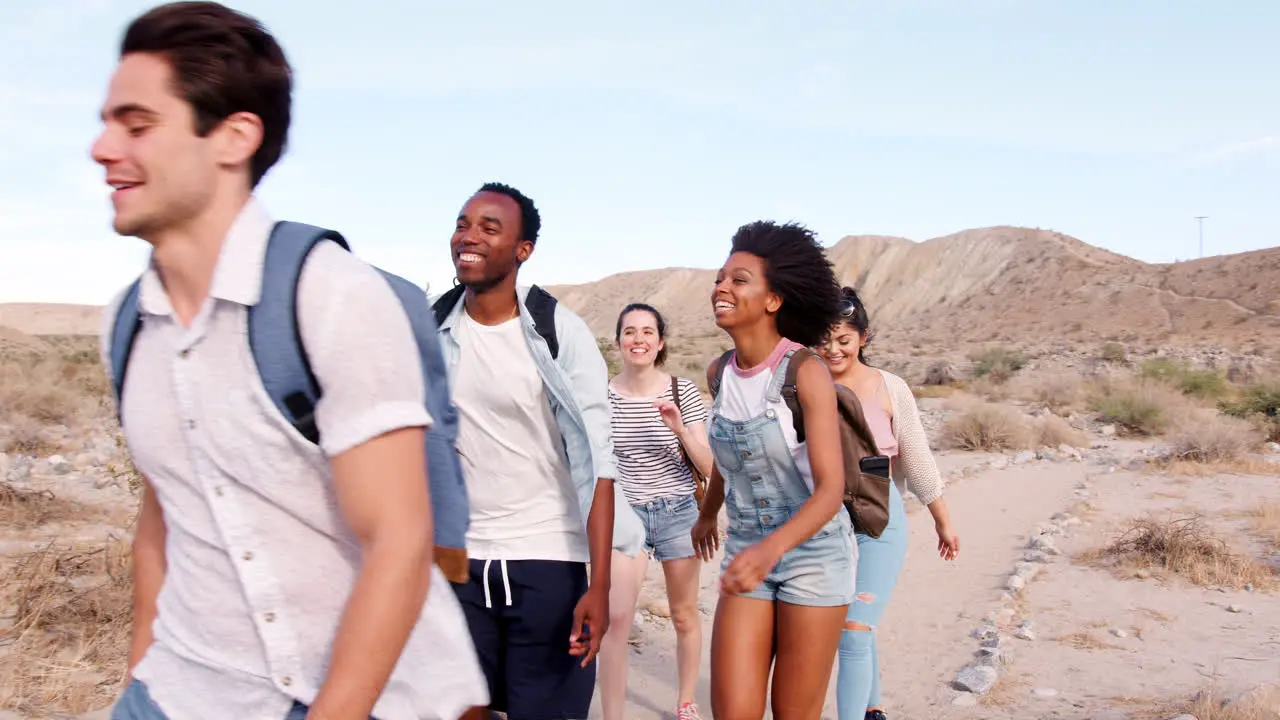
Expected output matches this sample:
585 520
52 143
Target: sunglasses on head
847 307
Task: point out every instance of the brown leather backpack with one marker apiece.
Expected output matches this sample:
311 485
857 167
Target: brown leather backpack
866 496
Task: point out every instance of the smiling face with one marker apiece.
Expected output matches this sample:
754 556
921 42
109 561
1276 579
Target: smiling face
840 349
486 244
742 296
640 341
163 173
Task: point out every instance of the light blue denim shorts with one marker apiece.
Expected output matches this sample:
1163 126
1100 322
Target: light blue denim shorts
668 526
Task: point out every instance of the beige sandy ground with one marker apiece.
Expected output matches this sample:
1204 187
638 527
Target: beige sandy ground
1179 638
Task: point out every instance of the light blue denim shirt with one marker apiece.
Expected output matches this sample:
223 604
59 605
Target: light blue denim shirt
577 385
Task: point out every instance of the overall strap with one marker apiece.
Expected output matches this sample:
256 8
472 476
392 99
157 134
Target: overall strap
784 374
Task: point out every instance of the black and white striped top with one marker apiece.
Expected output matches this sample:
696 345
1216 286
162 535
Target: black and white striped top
649 461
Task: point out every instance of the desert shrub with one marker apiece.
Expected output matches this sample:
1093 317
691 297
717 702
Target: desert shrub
611 357
1057 390
1209 437
1186 547
1113 352
1053 431
941 372
997 363
1207 384
985 387
1141 409
986 427
1259 403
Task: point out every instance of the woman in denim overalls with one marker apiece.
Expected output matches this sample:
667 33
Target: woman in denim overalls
788 573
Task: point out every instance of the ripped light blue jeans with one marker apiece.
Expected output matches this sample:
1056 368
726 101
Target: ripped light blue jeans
879 562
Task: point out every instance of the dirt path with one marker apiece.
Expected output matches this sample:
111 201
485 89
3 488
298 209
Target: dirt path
924 637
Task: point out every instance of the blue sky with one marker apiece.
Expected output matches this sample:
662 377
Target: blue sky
647 132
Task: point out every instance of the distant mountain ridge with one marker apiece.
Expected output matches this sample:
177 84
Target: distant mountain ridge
980 285
999 283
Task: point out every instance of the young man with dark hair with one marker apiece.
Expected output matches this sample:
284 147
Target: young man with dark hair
532 391
273 577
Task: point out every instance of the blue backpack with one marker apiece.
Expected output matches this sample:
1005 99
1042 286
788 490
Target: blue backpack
282 364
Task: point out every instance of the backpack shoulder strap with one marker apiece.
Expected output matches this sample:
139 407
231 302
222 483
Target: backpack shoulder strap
790 394
718 375
124 329
542 310
274 338
446 303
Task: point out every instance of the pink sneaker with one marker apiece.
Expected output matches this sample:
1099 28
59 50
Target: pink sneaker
688 711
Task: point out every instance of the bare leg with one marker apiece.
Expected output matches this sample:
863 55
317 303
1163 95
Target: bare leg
741 653
807 642
627 575
682 594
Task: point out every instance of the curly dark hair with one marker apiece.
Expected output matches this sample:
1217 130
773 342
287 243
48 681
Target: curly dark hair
854 314
797 269
530 220
657 316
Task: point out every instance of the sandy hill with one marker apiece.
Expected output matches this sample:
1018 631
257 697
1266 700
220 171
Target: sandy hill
996 284
1001 284
51 318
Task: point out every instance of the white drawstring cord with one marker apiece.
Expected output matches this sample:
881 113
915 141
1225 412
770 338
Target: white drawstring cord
506 583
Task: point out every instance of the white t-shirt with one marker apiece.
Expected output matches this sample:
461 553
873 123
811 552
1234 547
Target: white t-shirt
745 397
523 503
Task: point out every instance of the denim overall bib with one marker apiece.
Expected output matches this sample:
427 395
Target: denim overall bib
763 490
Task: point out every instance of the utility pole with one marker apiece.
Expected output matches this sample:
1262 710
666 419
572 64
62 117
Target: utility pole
1200 219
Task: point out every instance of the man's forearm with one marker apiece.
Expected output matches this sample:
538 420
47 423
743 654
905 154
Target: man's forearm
148 573
383 608
600 533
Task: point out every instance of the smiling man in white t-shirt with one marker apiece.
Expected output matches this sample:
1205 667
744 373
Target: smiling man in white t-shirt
538 459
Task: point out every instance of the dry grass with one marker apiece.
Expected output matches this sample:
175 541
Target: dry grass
39 390
1261 703
933 391
1264 521
1209 437
1085 640
1183 469
1058 390
986 427
1010 690
22 509
1053 431
68 631
1185 547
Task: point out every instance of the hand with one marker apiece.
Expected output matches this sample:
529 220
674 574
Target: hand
590 623
706 538
749 568
948 542
670 413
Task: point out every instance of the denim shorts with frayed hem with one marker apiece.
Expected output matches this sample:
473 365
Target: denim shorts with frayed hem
668 526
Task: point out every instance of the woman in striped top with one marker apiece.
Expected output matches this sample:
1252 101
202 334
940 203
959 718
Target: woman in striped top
654 418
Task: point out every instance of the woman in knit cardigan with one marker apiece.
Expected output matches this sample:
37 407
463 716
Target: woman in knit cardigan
891 412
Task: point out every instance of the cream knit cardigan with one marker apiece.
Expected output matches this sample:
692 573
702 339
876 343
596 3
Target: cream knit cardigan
915 466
